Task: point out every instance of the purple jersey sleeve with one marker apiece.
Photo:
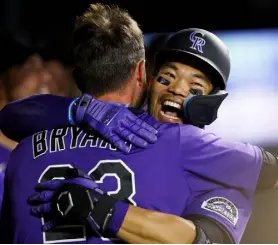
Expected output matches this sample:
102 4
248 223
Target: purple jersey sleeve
229 207
222 176
233 164
35 113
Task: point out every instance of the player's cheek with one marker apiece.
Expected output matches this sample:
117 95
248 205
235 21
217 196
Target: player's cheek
156 88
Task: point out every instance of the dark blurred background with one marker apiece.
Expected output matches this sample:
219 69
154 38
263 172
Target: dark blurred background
168 16
248 27
154 16
35 21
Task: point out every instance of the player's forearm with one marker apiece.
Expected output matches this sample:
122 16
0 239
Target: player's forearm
147 226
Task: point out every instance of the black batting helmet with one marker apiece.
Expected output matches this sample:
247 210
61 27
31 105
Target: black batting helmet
201 49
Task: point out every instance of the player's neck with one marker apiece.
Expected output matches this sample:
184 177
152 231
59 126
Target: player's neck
123 97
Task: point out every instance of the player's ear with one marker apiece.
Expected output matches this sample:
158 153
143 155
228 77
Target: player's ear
140 73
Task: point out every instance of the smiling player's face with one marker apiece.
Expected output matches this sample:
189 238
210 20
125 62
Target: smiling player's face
171 86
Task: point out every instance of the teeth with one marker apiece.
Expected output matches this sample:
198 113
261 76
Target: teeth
173 104
171 117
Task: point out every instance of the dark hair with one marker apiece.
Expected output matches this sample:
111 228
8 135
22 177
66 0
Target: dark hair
107 45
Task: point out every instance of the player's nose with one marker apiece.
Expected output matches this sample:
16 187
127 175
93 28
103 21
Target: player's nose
179 88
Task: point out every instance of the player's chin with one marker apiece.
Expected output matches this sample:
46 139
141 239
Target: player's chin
168 118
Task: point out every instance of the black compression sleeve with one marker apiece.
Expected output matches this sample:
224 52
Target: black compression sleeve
269 172
213 231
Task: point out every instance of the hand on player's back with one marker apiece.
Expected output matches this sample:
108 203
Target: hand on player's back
69 199
114 121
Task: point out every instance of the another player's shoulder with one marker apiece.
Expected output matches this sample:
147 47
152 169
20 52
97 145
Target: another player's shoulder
197 143
217 159
188 131
210 141
191 136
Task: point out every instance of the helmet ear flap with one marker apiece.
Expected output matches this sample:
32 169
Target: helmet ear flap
201 110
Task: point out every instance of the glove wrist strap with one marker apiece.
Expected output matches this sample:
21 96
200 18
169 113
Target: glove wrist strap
71 111
120 211
103 211
109 214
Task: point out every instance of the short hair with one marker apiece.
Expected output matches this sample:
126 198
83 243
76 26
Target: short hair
108 44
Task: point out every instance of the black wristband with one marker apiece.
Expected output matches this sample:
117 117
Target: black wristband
103 212
269 171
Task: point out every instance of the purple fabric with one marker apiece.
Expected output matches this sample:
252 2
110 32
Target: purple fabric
187 171
25 117
118 216
4 156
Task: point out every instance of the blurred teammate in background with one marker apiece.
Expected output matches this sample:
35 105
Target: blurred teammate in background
34 59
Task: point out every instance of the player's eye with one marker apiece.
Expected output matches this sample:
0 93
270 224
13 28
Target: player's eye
163 81
197 84
169 74
195 91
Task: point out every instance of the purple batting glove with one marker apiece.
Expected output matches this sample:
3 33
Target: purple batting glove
43 201
114 121
45 190
78 201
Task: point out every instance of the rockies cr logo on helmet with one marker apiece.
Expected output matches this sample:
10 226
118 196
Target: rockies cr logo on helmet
198 42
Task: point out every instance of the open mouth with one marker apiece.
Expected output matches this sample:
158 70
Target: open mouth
171 110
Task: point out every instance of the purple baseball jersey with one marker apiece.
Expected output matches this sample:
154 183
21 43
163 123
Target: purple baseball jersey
188 171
